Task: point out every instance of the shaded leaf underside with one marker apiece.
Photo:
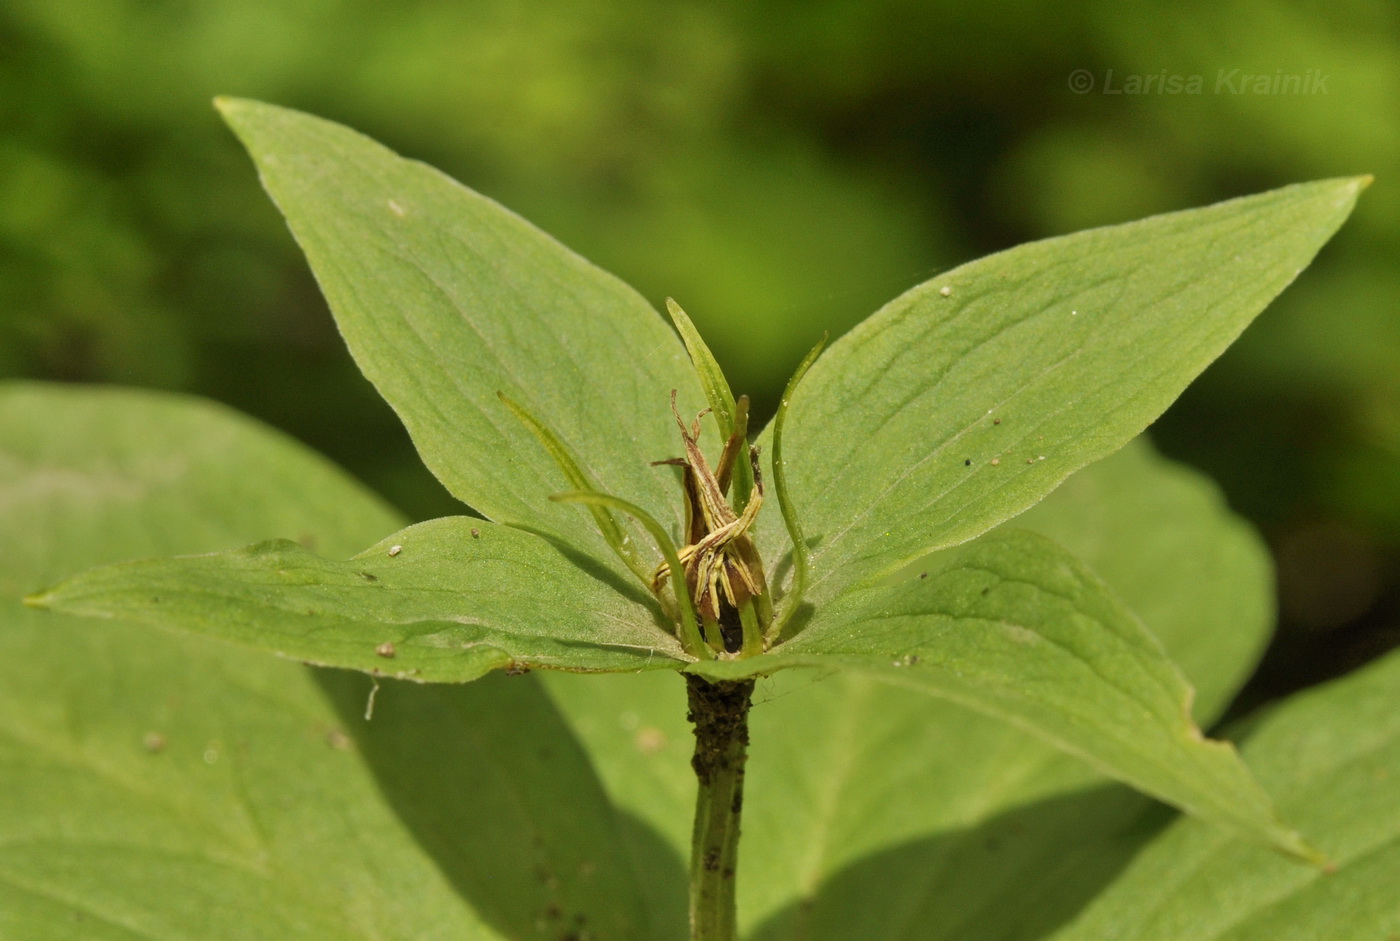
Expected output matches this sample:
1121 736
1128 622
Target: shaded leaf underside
173 787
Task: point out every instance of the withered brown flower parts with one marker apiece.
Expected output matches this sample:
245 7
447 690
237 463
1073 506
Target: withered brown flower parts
722 569
721 603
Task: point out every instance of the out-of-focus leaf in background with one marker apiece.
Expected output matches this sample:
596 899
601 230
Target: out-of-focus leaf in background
780 168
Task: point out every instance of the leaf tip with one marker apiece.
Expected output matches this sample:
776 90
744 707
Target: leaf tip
1301 849
228 105
1292 844
39 599
1348 189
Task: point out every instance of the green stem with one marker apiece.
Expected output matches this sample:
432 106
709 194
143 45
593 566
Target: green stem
720 713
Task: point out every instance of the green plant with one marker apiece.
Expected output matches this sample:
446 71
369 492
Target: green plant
525 374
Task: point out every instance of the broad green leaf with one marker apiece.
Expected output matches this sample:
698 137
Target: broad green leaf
446 299
1331 757
166 786
876 811
122 473
946 414
927 821
1013 626
443 601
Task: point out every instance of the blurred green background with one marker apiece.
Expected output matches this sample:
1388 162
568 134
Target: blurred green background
781 168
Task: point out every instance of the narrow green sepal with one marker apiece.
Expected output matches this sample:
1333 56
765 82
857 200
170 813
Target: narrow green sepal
40 599
730 415
580 481
793 599
689 635
717 391
714 635
753 630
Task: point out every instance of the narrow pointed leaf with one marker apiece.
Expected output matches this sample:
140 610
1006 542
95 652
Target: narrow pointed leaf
443 601
1013 626
876 811
1331 756
164 786
445 299
946 414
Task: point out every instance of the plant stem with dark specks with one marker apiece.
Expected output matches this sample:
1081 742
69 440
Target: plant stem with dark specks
720 714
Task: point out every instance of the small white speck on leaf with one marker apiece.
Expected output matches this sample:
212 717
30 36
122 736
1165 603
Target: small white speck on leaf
946 291
394 550
1074 313
396 209
996 461
369 703
385 649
